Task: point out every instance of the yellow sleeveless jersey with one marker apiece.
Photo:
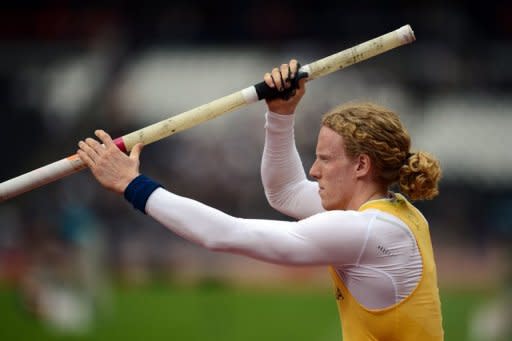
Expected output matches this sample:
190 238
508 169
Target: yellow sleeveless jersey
418 316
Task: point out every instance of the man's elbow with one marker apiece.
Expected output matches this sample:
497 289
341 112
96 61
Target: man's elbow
275 201
225 242
214 244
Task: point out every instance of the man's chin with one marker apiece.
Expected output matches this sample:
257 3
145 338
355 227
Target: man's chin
327 206
331 206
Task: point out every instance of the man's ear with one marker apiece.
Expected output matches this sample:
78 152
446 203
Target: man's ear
363 165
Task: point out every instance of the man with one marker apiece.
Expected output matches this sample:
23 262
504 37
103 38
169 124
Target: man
375 242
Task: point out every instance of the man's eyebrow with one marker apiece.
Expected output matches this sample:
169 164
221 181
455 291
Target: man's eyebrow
323 154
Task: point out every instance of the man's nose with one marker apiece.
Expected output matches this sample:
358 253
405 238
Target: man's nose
313 171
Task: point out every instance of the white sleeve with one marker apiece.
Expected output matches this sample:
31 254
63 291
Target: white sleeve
284 180
333 237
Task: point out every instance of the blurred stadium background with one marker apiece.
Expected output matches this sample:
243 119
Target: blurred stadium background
76 262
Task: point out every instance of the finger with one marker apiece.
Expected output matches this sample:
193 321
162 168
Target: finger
302 83
268 79
85 158
276 76
293 68
95 145
285 74
105 138
135 153
91 153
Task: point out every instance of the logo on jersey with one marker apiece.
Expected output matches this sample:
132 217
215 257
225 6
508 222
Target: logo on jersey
339 295
384 251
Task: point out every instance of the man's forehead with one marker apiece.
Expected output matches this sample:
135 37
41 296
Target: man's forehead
329 141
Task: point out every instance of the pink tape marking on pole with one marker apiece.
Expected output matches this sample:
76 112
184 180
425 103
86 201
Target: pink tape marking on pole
120 144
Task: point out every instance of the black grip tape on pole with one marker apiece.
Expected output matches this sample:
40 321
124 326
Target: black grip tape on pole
266 92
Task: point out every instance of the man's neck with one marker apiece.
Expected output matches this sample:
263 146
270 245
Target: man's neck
365 194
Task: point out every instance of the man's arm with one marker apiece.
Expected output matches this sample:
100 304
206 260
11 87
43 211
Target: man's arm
284 180
335 237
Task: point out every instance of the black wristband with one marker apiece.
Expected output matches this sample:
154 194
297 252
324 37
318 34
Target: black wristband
139 190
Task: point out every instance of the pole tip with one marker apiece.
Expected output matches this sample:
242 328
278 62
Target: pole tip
406 34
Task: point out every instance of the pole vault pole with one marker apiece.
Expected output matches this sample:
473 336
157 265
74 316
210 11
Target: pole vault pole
188 119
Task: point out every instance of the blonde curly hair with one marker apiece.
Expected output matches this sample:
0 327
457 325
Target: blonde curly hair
376 131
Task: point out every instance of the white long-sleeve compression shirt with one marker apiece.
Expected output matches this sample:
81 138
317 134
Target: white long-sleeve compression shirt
349 240
355 243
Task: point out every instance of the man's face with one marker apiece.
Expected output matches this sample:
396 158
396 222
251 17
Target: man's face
334 170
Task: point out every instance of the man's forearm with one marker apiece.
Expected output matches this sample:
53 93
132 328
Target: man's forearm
284 180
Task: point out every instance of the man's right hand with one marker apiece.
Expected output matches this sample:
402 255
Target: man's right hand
111 167
280 78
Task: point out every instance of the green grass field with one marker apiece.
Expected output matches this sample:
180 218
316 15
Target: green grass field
164 312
